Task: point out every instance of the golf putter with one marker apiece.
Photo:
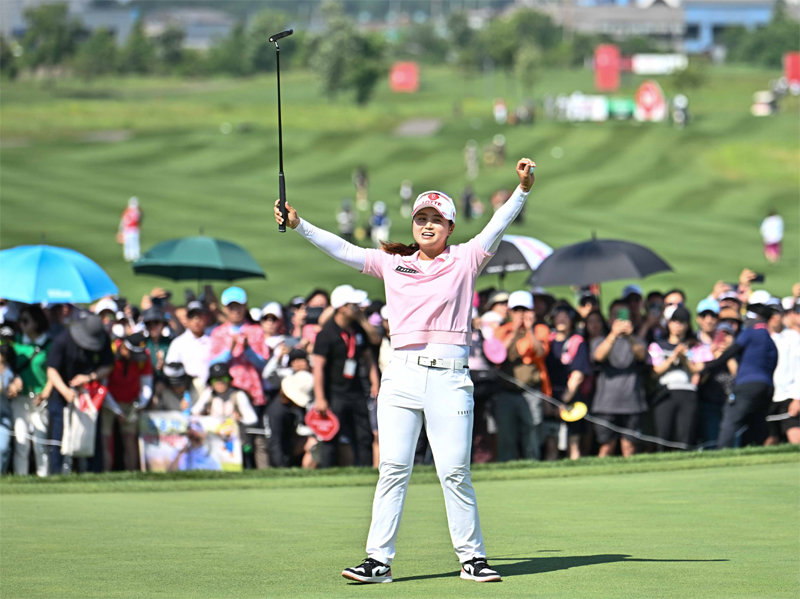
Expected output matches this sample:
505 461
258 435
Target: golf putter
281 181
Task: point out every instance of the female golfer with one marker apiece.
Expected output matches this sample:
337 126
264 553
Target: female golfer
429 288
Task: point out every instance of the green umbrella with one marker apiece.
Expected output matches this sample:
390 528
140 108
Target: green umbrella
201 258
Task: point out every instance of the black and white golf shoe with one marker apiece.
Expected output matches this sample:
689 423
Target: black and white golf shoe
478 570
370 571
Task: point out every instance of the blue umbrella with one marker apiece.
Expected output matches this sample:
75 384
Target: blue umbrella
45 273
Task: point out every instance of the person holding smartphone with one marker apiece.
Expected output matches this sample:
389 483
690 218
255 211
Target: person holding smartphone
618 397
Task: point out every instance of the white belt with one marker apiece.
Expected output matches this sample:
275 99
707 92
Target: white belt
448 363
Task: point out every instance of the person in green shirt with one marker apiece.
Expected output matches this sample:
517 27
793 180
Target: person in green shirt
30 390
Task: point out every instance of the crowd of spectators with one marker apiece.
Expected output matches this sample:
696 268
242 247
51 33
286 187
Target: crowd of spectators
656 374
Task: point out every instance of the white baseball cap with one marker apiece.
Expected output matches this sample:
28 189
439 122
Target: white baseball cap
760 296
345 294
439 201
104 305
273 308
520 299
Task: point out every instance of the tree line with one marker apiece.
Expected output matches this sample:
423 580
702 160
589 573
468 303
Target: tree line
348 59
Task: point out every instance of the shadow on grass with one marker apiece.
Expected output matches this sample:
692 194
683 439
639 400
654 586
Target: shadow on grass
521 566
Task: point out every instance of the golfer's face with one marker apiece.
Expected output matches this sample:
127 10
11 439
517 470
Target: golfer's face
431 229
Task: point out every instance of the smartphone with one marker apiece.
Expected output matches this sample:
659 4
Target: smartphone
624 314
719 337
759 278
312 315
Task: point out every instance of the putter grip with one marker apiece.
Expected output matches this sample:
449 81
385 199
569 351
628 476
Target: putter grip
282 202
276 36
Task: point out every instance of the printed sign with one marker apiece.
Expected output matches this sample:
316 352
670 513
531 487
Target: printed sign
606 68
216 444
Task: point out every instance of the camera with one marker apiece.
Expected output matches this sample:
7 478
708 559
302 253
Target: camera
312 315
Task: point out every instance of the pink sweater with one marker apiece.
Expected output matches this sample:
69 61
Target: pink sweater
432 306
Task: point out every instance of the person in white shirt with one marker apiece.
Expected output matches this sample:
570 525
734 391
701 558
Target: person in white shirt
772 234
192 348
786 398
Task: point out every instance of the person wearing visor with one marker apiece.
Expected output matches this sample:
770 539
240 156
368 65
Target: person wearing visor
429 288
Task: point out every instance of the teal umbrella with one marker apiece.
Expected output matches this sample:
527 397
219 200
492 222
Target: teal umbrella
200 258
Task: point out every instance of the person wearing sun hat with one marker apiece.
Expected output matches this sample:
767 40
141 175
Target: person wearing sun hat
79 355
429 286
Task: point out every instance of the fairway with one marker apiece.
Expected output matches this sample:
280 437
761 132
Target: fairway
72 154
720 531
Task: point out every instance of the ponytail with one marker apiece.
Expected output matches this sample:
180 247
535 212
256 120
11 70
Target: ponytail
392 247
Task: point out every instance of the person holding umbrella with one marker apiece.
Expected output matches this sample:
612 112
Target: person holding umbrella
429 289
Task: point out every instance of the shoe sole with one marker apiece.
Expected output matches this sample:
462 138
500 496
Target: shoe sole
366 579
493 578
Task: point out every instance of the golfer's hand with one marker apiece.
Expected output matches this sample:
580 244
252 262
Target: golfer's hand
525 173
292 221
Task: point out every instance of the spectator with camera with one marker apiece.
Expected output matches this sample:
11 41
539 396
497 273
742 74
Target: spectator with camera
175 391
618 395
222 399
518 417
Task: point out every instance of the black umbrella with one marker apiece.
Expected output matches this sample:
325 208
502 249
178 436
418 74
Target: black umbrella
201 258
596 261
516 253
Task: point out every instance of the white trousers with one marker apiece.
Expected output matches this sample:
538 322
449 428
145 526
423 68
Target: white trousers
130 246
409 395
30 424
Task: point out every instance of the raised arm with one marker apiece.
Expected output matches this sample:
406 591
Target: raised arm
492 233
333 245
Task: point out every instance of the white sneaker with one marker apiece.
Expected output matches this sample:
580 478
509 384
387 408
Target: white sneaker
370 571
478 570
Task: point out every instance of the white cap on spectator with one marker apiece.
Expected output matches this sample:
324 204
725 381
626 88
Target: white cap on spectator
273 308
343 295
520 299
105 304
761 296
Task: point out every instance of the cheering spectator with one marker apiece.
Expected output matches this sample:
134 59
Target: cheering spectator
241 345
31 390
632 295
618 396
527 345
340 351
192 348
131 385
79 355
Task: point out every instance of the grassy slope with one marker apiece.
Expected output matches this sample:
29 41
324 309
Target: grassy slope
695 196
727 528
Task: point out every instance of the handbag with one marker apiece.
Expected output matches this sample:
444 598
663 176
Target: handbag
80 422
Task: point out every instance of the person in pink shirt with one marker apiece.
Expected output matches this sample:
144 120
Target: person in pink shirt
429 288
240 344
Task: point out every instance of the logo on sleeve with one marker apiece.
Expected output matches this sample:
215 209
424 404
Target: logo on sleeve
405 269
